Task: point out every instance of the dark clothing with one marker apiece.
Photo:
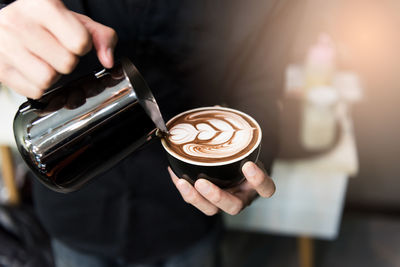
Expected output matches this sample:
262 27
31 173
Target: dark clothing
202 253
192 53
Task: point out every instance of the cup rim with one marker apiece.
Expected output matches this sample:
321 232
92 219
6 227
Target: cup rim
175 155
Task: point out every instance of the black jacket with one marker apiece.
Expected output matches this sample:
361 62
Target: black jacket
192 53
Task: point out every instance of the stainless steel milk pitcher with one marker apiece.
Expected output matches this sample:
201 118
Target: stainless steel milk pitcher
83 128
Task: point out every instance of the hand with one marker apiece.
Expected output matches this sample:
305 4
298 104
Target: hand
41 39
210 199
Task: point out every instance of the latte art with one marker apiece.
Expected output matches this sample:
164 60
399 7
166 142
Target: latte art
212 135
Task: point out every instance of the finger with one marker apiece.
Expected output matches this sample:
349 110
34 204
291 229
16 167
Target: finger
244 191
222 199
173 175
104 39
247 196
14 80
260 181
191 196
43 45
13 53
63 24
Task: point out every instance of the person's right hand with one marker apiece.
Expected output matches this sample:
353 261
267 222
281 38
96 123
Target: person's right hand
41 39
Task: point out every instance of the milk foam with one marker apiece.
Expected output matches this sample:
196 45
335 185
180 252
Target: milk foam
212 134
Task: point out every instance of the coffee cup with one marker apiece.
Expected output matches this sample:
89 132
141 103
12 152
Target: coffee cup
212 143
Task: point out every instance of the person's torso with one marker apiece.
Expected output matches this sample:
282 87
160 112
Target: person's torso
190 53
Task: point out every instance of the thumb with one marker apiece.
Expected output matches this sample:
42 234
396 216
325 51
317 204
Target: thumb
104 39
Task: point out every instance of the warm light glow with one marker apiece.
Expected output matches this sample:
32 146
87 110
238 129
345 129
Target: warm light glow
368 31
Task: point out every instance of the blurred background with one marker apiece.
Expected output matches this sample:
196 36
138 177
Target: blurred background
337 201
367 39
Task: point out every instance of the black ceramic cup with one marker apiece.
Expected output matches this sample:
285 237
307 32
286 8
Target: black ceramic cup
223 174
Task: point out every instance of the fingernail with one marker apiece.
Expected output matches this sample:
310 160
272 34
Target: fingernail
184 187
203 186
110 56
249 169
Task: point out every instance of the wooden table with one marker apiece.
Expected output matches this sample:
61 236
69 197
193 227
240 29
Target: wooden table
9 103
8 174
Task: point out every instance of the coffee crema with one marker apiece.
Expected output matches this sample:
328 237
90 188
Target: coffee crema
212 135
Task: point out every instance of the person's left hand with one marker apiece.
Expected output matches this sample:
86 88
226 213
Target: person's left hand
210 199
